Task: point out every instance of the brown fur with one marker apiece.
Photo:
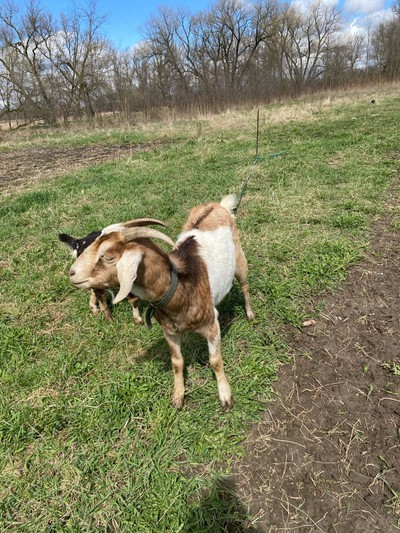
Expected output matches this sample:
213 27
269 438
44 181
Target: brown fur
196 311
207 217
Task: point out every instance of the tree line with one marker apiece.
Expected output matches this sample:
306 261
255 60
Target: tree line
234 52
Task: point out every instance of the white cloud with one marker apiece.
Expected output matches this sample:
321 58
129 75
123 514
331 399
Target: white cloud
363 6
365 24
304 5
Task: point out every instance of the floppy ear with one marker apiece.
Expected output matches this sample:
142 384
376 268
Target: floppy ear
127 272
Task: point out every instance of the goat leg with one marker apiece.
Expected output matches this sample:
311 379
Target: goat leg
213 336
102 300
241 276
134 301
93 302
174 343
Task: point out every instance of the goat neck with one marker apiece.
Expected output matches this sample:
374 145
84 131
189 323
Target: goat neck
154 273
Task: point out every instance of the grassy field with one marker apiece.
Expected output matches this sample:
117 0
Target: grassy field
88 438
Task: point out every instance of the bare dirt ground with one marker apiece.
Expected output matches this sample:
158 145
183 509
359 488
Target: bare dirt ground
326 457
31 164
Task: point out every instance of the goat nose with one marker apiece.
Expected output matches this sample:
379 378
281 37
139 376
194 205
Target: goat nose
71 273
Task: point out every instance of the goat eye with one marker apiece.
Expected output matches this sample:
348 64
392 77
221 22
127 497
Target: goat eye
108 259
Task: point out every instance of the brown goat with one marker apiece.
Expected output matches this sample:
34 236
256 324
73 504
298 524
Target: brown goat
207 256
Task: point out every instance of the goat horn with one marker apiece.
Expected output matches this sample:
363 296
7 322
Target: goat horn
143 222
140 233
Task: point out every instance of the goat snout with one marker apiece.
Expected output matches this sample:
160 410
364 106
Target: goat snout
76 279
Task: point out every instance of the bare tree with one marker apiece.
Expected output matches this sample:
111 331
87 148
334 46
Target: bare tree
306 37
135 81
169 63
22 36
77 52
52 69
342 61
386 47
232 32
210 55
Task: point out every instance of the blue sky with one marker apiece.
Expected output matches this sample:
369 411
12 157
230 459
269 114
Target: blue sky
125 17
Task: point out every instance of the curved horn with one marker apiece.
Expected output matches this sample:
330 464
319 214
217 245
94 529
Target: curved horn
144 222
141 233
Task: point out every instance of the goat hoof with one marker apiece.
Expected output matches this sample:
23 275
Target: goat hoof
138 321
178 402
251 316
227 404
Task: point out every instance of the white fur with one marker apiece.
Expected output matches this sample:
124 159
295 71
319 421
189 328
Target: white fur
218 251
229 202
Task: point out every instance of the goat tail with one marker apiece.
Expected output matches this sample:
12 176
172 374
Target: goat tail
230 202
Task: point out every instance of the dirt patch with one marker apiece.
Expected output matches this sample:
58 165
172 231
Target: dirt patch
32 164
327 455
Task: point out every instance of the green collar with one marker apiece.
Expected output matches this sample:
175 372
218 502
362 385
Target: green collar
167 298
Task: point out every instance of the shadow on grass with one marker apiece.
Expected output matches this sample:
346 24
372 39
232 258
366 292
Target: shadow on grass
220 510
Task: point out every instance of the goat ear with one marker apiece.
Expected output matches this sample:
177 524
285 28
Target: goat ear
127 272
69 241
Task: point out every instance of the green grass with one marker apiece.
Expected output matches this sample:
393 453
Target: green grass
89 440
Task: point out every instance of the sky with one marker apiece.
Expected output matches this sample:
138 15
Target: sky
126 17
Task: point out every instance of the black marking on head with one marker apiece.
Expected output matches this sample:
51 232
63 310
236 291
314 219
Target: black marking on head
79 245
83 243
70 241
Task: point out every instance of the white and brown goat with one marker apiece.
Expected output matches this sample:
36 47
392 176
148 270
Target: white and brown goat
207 256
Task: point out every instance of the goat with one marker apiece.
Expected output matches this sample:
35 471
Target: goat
98 296
206 257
